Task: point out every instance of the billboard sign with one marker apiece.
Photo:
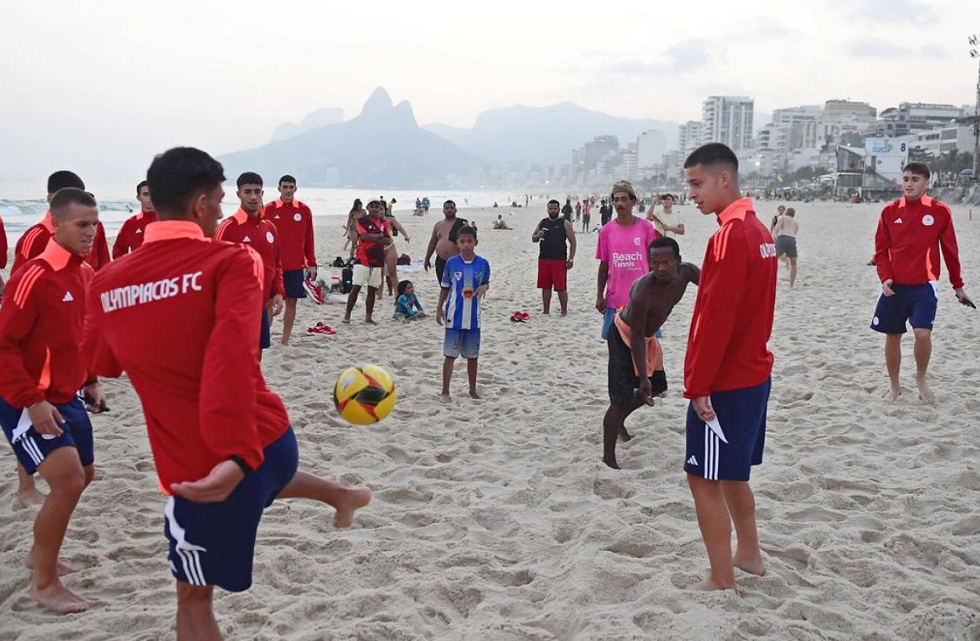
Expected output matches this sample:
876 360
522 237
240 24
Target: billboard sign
886 147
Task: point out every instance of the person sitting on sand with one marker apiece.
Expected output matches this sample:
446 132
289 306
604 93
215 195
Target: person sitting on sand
652 299
500 223
407 306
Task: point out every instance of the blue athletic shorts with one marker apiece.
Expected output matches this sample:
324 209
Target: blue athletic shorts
462 342
214 543
293 283
32 448
742 420
265 335
913 303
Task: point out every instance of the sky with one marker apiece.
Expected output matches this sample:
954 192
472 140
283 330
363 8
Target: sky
101 86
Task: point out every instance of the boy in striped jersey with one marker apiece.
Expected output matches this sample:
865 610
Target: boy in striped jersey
40 355
465 280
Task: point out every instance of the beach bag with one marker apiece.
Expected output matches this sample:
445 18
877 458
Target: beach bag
347 277
404 259
338 262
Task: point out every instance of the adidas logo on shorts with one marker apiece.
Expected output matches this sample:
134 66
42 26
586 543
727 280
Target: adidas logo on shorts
692 461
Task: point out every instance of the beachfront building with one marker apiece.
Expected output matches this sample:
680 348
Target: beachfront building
848 117
689 137
728 120
651 146
911 118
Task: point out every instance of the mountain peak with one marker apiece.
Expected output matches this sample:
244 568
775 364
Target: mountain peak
379 102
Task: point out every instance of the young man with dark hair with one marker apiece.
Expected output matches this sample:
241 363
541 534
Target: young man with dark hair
30 245
636 364
294 220
221 440
668 223
248 227
911 232
131 233
445 233
605 213
373 237
46 423
727 367
623 254
465 280
556 255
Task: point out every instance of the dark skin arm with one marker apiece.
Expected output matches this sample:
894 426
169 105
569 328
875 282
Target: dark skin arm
692 272
600 302
639 308
432 248
572 243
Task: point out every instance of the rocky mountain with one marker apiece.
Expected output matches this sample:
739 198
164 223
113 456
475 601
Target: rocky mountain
317 119
382 147
545 135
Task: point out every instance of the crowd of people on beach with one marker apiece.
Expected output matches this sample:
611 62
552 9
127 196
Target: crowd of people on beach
221 439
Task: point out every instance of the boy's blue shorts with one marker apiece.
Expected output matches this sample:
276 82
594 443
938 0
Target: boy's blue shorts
916 304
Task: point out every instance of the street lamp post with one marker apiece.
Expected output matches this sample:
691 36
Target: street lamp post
975 53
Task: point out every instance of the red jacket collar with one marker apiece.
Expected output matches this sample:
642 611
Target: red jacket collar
736 210
925 200
172 229
58 257
46 221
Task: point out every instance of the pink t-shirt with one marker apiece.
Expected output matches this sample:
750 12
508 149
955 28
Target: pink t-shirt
626 249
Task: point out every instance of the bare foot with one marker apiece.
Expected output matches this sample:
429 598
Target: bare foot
60 599
473 394
709 585
369 321
346 320
62 568
611 463
925 394
893 394
444 397
625 436
351 501
30 497
564 314
752 566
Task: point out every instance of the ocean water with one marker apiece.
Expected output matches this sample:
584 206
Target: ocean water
23 204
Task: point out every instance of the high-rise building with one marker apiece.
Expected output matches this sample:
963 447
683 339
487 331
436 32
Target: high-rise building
848 116
689 137
914 117
650 148
728 120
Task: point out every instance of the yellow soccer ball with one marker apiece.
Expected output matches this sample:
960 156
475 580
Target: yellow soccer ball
364 395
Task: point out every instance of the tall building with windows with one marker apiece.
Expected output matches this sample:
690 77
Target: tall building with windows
728 120
689 137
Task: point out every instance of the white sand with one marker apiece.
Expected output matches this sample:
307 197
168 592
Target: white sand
495 519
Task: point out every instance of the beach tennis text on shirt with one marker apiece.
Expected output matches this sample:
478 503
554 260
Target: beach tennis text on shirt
132 295
627 261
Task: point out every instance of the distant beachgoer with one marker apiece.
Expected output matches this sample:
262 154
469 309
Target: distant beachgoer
391 253
578 210
779 212
784 232
669 223
373 237
566 211
445 233
425 204
586 216
605 213
500 223
911 232
556 255
130 236
350 231
633 346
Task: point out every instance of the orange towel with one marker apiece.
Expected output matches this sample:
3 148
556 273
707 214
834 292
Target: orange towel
655 357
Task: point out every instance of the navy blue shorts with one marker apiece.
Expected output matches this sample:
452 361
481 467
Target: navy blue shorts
265 335
32 448
462 342
728 452
214 543
913 303
292 281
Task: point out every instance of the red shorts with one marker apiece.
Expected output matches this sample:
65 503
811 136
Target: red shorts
552 274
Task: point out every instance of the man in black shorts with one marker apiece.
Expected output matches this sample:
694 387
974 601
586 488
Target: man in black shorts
652 299
443 240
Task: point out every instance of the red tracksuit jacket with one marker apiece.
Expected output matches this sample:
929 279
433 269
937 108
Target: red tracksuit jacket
262 236
910 233
131 234
733 314
294 221
41 329
178 317
35 240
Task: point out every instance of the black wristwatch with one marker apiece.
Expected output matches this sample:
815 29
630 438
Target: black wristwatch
240 462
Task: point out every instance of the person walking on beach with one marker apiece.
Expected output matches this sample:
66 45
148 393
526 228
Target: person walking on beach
667 223
248 227
556 255
43 418
785 231
623 254
636 364
911 232
727 366
130 236
566 211
605 213
222 443
586 215
445 233
294 224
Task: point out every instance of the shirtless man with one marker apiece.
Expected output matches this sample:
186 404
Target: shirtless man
784 231
652 299
443 241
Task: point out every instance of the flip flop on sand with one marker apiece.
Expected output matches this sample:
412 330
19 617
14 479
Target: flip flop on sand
314 290
321 329
520 317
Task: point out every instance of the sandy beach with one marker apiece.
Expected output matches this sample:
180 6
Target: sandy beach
495 519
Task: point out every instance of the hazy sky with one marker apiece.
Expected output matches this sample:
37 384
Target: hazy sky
101 86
